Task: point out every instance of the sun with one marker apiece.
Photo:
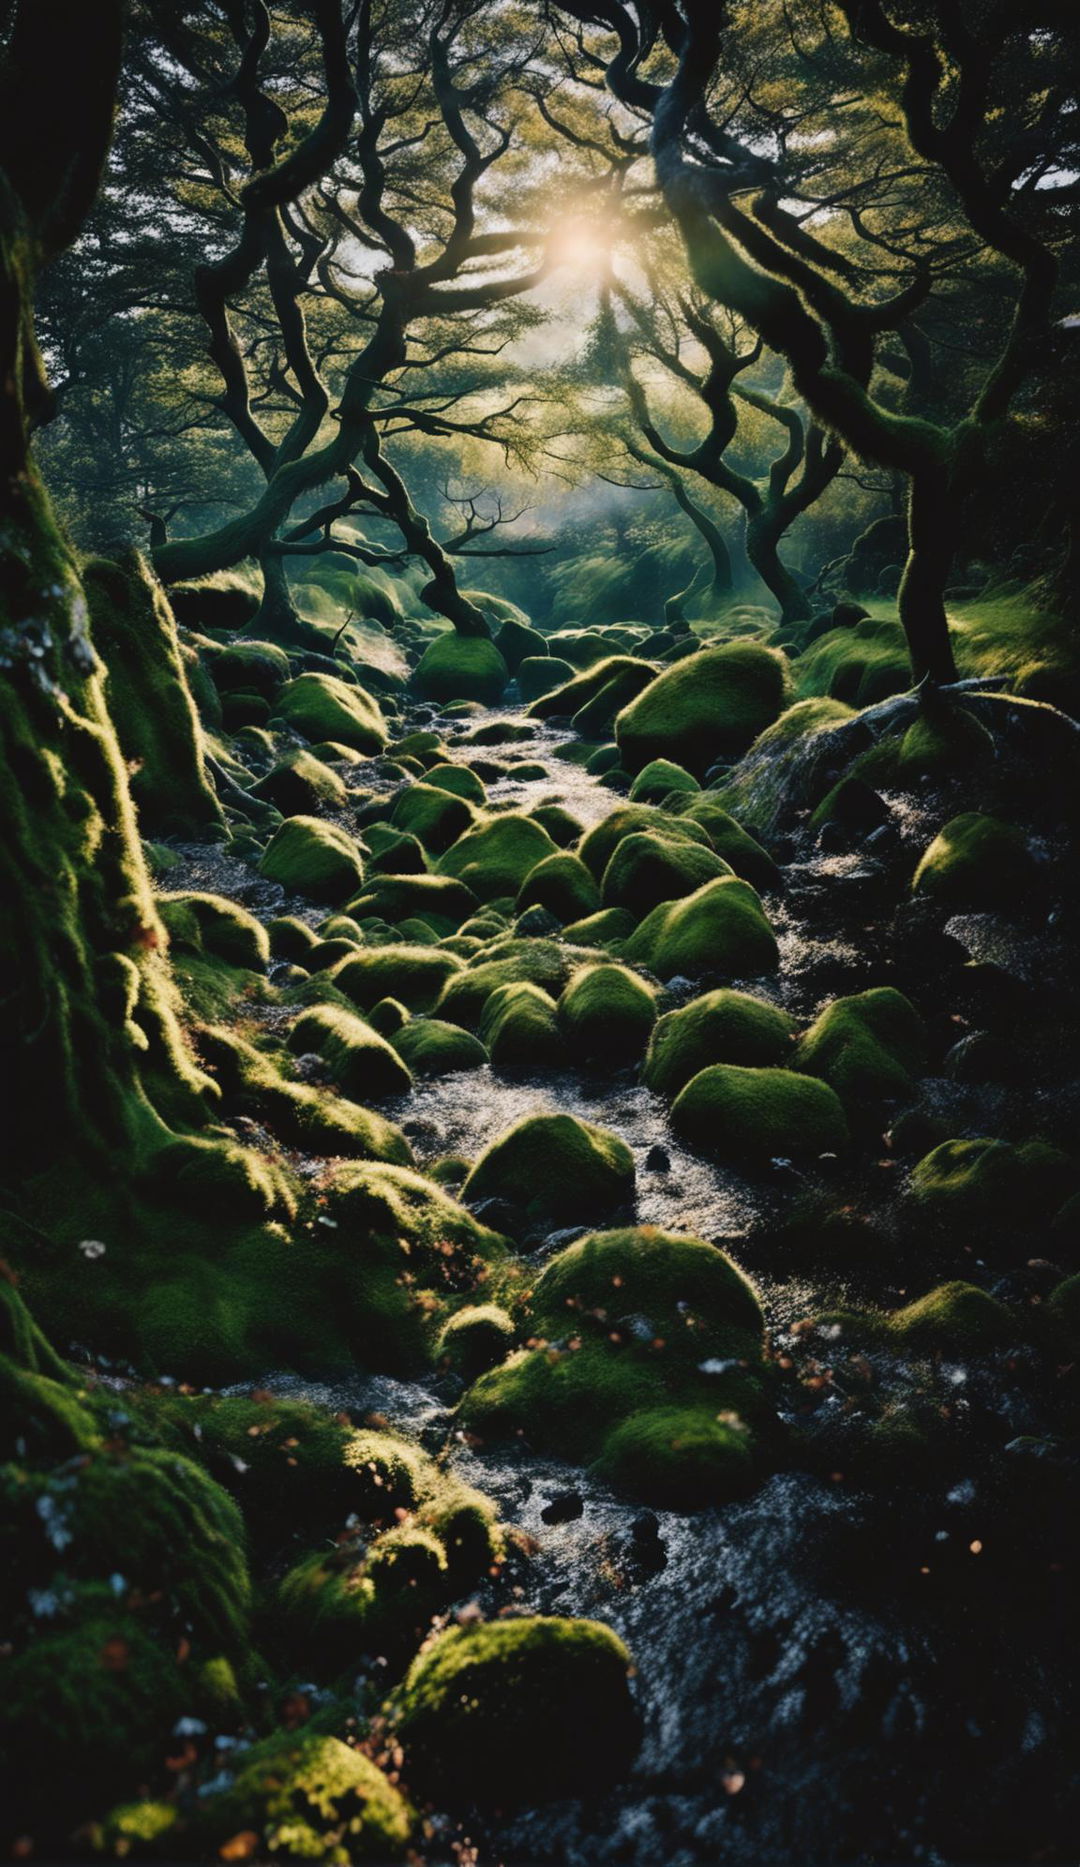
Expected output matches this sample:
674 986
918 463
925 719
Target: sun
581 244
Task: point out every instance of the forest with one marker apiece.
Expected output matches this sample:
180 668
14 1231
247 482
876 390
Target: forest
540 711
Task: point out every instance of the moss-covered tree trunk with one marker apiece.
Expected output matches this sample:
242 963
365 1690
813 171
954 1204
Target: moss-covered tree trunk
761 549
921 598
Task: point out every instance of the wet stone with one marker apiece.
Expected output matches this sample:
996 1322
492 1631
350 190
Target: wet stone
564 1507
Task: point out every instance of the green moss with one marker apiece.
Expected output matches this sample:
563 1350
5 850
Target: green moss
307 856
440 900
607 1014
955 1319
721 927
993 1183
359 1061
435 815
307 1797
476 1338
688 1293
520 1027
415 975
609 928
556 1167
254 1084
593 698
754 1115
712 703
541 674
598 847
718 1027
459 780
299 783
249 667
941 747
560 825
856 665
431 1047
781 766
659 779
562 884
149 698
679 1458
563 1400
427 1232
516 642
648 867
739 849
322 708
459 667
976 864
508 962
517 1710
868 1048
393 852
497 854
214 924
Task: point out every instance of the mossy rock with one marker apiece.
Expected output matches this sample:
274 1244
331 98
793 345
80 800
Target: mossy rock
721 927
756 1115
607 1013
659 779
857 667
556 1168
250 667
433 814
393 852
718 1027
459 780
869 1048
955 1319
359 1060
945 746
461 667
993 1183
608 929
413 1215
517 1711
309 857
562 884
593 698
739 849
497 854
320 707
253 1083
598 846
431 1047
476 1338
306 1796
205 923
649 867
541 674
685 1292
517 642
415 975
531 961
679 1458
560 824
300 783
712 703
438 899
564 1399
977 864
520 1027
781 771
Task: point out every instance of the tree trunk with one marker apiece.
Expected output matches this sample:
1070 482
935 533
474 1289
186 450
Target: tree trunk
277 619
778 580
921 598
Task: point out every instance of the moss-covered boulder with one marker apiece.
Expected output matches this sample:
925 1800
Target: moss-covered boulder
531 961
592 699
561 825
556 1168
431 1047
476 1338
322 708
943 746
955 1319
497 855
516 642
607 1013
461 667
358 1060
562 884
461 780
720 928
869 1048
301 783
250 667
745 854
990 1183
607 929
433 814
679 1458
599 845
520 1026
977 864
437 899
712 703
304 1796
659 779
648 867
688 1293
755 1115
310 857
541 674
204 923
517 1711
718 1027
415 975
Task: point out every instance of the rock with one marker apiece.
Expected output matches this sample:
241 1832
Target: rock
743 853
607 1014
430 1047
562 884
993 1183
322 707
542 674
476 1338
682 1458
753 1116
416 975
360 1061
599 844
608 928
721 927
460 780
434 815
717 700
541 963
537 923
310 857
440 900
520 1026
562 828
557 1167
205 923
659 779
868 1048
564 1507
977 864
300 783
517 642
717 1027
647 868
461 667
497 854
853 804
657 1160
